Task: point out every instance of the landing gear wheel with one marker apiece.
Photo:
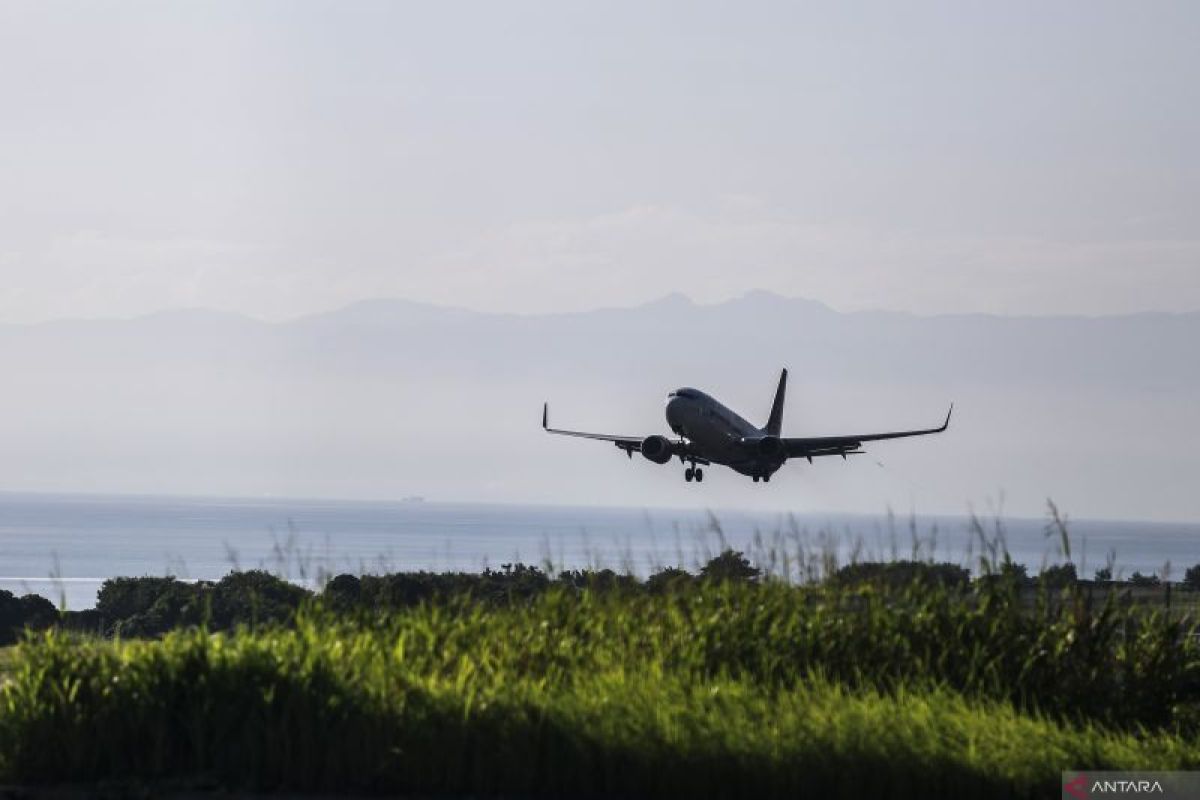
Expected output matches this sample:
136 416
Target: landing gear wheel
755 478
688 474
766 478
699 474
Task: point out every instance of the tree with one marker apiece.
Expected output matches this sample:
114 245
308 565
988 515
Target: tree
342 593
1191 578
1059 575
254 597
667 579
121 598
1104 574
1138 579
1013 571
18 613
730 565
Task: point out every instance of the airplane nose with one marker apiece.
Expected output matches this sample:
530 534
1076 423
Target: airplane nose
674 411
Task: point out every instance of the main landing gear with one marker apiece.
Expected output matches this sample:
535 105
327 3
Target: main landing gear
763 478
693 474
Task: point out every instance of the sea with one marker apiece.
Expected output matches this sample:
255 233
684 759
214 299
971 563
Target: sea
64 547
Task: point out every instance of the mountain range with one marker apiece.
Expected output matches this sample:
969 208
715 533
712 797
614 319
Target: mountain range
390 398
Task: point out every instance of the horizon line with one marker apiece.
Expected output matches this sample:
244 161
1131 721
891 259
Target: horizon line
277 499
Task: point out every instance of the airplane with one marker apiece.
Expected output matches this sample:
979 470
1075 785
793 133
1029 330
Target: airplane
710 433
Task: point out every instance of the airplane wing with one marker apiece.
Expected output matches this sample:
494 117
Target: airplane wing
630 444
812 446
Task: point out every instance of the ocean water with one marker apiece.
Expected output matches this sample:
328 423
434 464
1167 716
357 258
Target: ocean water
64 546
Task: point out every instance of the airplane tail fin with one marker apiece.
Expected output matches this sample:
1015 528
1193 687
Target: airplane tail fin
775 422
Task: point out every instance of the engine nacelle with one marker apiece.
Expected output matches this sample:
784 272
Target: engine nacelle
657 449
769 447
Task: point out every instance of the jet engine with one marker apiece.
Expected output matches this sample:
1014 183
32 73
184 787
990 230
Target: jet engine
657 449
768 447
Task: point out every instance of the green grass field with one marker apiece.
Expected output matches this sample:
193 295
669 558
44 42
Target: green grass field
6 659
713 690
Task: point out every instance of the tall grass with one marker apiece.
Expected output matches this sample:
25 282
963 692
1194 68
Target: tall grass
706 689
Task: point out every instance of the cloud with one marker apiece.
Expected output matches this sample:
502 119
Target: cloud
91 273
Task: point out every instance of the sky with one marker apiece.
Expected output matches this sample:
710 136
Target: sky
277 159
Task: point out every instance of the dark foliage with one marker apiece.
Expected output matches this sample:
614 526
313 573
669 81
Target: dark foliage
148 606
604 580
668 579
19 613
1058 576
255 597
1191 578
1011 570
512 582
1138 579
898 574
343 593
122 598
730 565
1010 574
86 621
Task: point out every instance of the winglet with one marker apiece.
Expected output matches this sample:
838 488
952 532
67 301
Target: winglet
545 415
946 424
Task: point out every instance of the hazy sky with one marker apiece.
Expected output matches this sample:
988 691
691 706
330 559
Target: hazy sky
280 158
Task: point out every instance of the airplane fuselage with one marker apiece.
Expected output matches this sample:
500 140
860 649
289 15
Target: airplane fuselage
717 433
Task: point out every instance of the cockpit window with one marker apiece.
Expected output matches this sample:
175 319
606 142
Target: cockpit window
691 394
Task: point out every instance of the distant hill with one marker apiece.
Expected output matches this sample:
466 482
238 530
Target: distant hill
389 398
